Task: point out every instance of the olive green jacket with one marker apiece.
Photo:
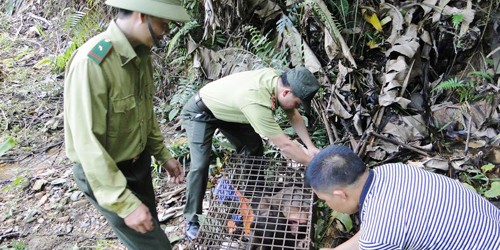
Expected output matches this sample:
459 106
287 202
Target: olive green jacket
108 115
246 97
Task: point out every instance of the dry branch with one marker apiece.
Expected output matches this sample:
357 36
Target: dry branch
385 138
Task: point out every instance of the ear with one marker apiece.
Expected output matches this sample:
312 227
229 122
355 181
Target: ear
286 91
340 194
142 17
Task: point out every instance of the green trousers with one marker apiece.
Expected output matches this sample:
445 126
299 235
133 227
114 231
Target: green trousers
139 181
200 127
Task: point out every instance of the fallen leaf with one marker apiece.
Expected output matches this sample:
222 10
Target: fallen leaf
372 19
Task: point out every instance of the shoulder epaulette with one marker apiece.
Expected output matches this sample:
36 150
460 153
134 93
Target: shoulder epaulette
100 50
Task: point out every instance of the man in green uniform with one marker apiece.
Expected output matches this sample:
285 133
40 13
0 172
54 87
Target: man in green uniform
111 131
242 106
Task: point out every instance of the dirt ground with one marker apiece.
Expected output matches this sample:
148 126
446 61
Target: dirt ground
45 210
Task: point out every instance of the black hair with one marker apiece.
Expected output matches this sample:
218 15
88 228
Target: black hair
284 80
332 167
124 13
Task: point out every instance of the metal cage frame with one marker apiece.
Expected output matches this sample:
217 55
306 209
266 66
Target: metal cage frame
258 204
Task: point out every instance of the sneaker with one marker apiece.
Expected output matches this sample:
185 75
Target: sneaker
192 229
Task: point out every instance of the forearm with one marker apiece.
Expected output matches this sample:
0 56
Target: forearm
299 126
351 244
290 149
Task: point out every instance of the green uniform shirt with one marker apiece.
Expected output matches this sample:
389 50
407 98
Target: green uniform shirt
245 97
108 115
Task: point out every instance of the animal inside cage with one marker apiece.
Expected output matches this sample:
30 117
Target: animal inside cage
258 203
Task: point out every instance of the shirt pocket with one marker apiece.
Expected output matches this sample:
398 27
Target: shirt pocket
123 118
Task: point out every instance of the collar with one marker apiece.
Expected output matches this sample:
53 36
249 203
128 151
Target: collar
274 98
122 45
366 187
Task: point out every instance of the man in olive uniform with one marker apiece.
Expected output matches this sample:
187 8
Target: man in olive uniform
111 131
242 106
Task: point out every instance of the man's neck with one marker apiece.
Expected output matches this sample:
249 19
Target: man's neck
358 188
127 26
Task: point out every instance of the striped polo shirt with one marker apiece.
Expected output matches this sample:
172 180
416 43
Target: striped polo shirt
404 207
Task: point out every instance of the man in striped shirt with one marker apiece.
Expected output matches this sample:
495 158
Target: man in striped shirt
403 207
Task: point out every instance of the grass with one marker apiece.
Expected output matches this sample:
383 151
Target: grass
16 245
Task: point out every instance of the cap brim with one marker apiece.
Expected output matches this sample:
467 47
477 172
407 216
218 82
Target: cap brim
157 9
174 13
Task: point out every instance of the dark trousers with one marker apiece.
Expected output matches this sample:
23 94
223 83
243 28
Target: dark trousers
139 181
200 127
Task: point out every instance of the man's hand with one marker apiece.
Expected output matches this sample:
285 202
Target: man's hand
351 244
174 169
140 220
312 150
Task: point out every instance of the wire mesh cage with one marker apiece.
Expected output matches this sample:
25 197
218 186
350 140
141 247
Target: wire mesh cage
258 203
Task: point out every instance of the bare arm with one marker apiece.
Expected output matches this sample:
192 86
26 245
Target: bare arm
300 127
290 149
352 243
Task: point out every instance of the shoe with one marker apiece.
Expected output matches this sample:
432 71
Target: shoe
192 229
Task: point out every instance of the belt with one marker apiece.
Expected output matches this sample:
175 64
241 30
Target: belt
130 161
200 104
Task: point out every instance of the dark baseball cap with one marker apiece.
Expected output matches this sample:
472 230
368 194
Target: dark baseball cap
303 84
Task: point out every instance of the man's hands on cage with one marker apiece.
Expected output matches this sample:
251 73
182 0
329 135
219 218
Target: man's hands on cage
174 169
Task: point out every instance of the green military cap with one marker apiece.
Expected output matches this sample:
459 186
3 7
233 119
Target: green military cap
303 84
167 9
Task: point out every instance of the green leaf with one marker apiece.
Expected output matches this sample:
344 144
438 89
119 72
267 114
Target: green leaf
172 114
457 19
289 131
344 7
487 167
175 238
467 185
4 147
345 219
494 191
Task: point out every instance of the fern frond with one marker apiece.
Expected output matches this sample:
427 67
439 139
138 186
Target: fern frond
172 43
283 23
452 83
76 18
320 10
82 25
482 74
264 49
326 17
185 89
